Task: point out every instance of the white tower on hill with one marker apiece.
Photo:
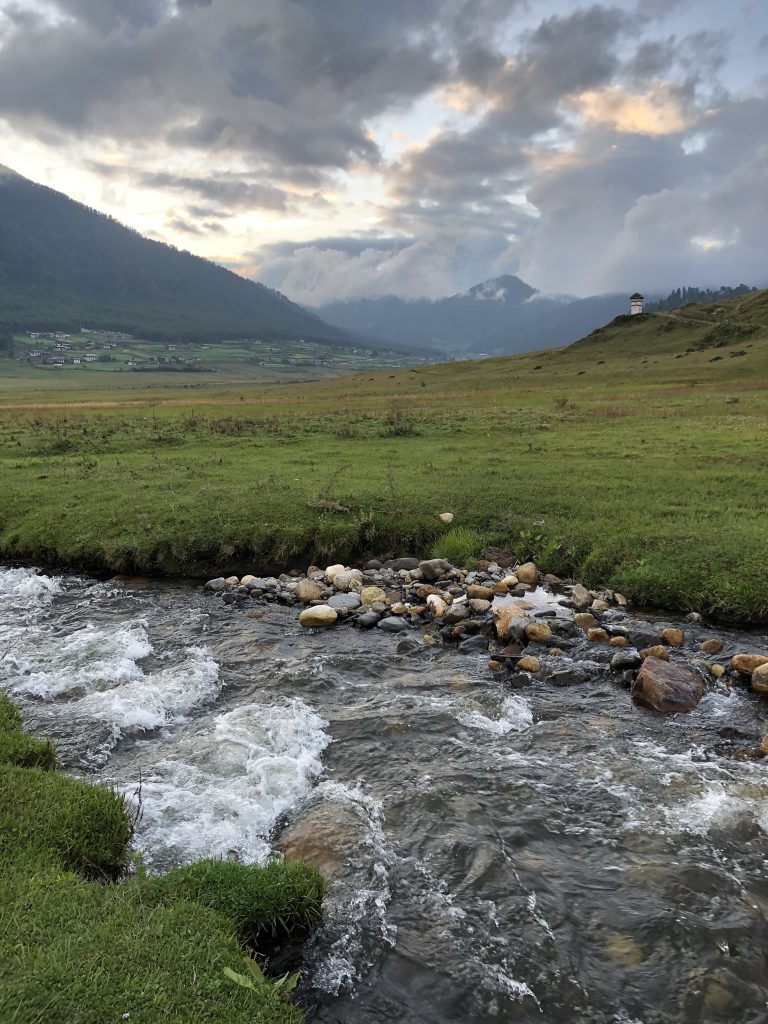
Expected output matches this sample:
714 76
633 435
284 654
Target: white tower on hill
635 304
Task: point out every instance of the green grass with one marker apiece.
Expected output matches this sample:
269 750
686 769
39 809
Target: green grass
267 905
636 458
77 946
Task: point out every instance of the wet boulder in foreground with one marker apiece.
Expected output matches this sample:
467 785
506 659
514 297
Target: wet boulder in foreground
667 688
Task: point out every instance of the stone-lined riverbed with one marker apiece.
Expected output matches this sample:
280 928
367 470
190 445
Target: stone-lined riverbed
503 848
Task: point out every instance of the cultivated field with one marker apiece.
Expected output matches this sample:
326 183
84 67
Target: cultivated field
637 458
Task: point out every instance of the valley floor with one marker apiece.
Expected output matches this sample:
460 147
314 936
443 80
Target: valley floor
636 458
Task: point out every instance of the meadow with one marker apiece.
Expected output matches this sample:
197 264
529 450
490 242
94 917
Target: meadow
635 458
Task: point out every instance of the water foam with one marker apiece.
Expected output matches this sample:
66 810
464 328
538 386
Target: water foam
48 666
153 701
228 781
515 715
26 592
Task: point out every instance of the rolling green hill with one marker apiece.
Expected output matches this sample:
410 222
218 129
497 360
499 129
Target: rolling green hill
63 265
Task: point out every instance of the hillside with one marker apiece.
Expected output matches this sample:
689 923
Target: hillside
63 265
501 316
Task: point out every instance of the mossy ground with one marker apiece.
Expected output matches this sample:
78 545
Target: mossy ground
76 946
636 458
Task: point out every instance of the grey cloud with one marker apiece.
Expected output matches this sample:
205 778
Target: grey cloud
234 192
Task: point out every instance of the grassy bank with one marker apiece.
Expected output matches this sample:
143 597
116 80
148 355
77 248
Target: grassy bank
79 946
635 458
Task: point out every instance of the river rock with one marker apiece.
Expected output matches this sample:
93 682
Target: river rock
393 624
349 579
370 595
457 613
667 688
657 651
747 663
619 641
437 606
246 580
333 571
433 568
627 657
496 666
256 585
586 620
476 592
717 670
217 585
568 676
538 632
598 605
318 615
529 664
527 573
711 646
760 679
597 636
581 597
348 602
308 590
398 564
673 637
328 837
503 616
479 606
473 645
368 620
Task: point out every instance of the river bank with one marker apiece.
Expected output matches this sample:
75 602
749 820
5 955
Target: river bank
624 461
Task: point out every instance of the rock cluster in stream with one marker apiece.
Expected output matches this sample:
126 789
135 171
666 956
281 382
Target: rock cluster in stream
531 626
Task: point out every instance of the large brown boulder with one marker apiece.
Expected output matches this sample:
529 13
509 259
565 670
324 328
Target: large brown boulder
328 837
670 689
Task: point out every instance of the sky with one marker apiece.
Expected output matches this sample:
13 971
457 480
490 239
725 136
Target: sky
340 149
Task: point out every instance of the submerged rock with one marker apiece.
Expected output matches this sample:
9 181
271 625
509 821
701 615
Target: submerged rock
670 689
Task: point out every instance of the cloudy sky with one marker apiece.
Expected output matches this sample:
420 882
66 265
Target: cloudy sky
344 148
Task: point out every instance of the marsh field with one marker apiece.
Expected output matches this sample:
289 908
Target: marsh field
635 458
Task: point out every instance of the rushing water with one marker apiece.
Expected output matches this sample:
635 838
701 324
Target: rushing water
553 854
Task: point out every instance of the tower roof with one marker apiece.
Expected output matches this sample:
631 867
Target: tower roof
637 295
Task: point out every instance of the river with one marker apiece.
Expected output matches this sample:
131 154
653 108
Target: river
550 854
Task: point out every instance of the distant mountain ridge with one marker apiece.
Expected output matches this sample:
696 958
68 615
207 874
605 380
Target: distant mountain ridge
63 265
503 315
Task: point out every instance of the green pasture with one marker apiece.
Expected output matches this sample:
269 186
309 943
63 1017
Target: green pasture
636 458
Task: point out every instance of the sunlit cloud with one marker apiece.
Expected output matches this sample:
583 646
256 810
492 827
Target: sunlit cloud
658 111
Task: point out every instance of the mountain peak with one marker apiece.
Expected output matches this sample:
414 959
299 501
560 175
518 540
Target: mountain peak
507 288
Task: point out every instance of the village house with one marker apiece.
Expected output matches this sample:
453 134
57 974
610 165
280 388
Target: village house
89 359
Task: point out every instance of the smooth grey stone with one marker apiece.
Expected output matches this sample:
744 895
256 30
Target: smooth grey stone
367 620
393 624
217 585
348 601
402 563
477 644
